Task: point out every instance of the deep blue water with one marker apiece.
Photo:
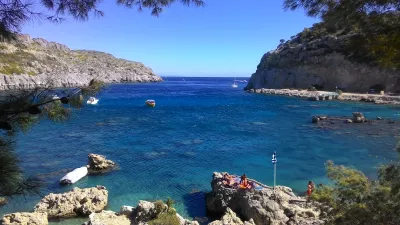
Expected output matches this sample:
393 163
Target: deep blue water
198 126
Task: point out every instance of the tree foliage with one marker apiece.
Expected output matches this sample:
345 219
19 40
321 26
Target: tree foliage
19 111
14 13
376 23
355 199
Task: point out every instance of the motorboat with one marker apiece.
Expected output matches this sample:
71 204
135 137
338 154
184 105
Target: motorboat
234 85
92 101
55 97
150 103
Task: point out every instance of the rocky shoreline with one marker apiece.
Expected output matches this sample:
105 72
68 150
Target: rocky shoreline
263 206
36 62
325 95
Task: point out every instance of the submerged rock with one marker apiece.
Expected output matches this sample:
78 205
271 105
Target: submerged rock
78 202
262 205
99 164
25 219
107 218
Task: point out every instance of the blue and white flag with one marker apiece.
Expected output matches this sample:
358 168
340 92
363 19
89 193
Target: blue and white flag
274 158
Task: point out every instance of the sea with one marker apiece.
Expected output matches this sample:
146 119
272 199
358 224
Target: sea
199 125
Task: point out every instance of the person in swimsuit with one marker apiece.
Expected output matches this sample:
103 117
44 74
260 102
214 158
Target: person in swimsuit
310 189
228 180
244 183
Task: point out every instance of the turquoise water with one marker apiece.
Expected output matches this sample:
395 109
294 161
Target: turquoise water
199 126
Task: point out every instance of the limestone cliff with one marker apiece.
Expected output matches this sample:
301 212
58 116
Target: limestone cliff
31 62
323 62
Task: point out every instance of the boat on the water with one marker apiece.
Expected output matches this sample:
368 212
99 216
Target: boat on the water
55 97
92 101
150 103
234 85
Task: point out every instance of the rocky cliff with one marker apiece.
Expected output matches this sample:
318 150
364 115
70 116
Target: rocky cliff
324 62
31 62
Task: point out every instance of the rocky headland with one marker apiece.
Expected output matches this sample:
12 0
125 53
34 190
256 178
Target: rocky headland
326 61
263 206
36 62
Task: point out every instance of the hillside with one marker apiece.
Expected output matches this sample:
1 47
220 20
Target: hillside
325 60
31 62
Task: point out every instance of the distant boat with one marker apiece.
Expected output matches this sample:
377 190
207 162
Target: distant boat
245 81
150 103
92 101
234 85
55 97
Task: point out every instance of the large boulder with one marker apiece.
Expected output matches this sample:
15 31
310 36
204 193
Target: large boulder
78 202
107 218
99 164
264 205
358 117
231 219
25 219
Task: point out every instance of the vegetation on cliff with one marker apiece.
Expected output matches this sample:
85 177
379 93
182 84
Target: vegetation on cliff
373 27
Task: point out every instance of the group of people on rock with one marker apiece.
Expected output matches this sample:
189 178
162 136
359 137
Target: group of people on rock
236 182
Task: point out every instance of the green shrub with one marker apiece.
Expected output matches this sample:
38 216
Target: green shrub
159 206
11 68
31 73
340 92
170 203
168 218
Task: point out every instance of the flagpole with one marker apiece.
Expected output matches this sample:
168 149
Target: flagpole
274 161
274 175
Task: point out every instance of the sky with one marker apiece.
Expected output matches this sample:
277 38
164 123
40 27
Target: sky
224 38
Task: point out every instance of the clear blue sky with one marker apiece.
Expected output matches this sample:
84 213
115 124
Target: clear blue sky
224 38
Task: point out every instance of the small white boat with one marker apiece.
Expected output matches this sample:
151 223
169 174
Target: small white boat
234 85
54 97
92 101
74 175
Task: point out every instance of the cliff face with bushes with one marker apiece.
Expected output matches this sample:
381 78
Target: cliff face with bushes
32 62
326 62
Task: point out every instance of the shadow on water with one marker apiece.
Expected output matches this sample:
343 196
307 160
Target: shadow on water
195 205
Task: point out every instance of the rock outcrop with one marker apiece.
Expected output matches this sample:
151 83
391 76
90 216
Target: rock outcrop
263 206
78 202
35 62
107 218
320 62
231 219
143 213
25 219
99 164
358 117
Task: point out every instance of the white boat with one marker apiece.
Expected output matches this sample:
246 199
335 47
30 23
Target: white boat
54 97
234 85
74 175
92 101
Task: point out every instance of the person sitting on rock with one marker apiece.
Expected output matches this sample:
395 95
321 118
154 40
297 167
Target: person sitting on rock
228 180
244 183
